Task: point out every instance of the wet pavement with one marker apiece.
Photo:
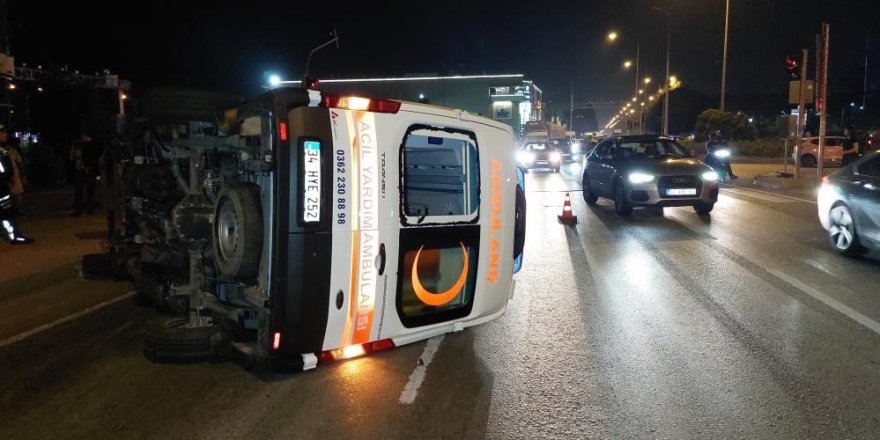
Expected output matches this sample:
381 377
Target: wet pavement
742 324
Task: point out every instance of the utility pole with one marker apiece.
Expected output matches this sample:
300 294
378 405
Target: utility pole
571 111
724 56
801 122
865 83
665 128
822 94
636 90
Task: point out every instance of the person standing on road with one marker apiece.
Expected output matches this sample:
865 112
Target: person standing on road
85 155
16 185
8 175
851 149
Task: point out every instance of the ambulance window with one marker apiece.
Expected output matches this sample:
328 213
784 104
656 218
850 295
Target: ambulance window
441 177
437 282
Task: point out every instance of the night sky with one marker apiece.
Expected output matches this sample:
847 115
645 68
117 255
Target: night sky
231 45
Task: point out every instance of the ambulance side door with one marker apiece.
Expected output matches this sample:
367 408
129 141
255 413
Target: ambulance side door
439 236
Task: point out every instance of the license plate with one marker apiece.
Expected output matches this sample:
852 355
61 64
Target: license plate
311 182
681 192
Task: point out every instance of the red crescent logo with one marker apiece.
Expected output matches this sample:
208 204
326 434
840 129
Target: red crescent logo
434 298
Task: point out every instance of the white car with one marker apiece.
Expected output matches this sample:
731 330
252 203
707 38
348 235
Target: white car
808 154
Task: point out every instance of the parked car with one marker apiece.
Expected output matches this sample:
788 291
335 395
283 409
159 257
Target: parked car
652 171
539 155
808 154
849 206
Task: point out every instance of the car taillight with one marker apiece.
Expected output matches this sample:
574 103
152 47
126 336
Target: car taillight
282 131
358 103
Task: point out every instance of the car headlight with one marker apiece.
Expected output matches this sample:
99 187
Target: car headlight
555 156
710 176
721 154
640 178
575 148
525 157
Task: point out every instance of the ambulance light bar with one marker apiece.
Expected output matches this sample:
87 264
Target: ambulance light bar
363 104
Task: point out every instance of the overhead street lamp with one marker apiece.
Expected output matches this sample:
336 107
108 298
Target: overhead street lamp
665 130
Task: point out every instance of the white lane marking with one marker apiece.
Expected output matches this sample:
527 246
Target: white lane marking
408 396
60 321
829 301
766 197
745 192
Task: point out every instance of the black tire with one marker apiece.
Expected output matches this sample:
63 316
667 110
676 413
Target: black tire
658 211
170 340
588 194
238 231
703 208
622 206
556 170
843 235
808 160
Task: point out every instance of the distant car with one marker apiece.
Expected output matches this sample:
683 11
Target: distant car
539 155
873 142
849 206
808 154
651 171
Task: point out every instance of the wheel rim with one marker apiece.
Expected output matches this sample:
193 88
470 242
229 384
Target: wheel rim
842 230
227 230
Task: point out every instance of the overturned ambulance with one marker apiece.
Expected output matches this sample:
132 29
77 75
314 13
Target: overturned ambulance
311 227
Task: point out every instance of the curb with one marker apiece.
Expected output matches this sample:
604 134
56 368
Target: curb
775 183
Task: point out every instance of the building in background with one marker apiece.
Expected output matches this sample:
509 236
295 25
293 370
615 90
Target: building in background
510 99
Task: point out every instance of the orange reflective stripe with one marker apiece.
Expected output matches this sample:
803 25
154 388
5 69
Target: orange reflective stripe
353 221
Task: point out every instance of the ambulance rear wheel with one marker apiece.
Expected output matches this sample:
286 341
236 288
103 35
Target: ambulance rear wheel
238 231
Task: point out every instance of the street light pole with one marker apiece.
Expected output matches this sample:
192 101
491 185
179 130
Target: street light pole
636 90
865 83
665 130
612 36
724 56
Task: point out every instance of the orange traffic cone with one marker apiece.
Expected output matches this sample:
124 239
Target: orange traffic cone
567 218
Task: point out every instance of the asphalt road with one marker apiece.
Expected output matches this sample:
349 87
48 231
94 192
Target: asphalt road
742 324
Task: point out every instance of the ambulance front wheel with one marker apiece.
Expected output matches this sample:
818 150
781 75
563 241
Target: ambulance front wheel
238 231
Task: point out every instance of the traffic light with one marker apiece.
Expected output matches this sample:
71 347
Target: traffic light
793 66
